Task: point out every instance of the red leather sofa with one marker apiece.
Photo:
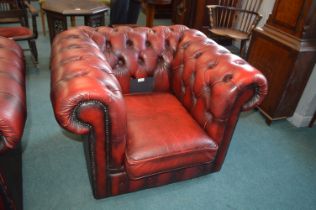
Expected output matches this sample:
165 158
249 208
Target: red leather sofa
155 105
12 121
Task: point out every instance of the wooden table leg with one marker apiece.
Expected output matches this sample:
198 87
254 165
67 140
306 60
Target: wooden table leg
95 20
150 14
73 21
56 24
42 13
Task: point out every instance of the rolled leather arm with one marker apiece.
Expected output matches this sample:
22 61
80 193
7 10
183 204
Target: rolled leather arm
215 64
12 94
87 99
211 82
80 75
86 96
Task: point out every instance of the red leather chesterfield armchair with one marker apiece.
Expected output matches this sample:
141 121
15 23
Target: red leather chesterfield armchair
156 105
12 121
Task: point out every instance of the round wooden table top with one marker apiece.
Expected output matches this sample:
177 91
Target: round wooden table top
74 7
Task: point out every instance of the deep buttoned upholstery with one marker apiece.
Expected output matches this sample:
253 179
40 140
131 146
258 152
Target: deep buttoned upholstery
177 128
12 121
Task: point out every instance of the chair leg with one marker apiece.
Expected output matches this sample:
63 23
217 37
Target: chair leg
42 12
73 21
150 14
242 48
33 49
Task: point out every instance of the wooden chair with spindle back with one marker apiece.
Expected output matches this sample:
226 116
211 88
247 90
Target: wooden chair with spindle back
236 22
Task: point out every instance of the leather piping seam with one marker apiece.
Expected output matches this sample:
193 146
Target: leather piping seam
107 143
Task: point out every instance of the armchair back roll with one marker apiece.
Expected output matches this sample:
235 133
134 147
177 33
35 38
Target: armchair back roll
178 128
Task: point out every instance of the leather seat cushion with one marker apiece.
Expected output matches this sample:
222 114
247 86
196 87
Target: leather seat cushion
16 32
162 136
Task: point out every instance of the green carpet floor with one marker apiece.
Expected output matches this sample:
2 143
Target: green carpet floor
266 167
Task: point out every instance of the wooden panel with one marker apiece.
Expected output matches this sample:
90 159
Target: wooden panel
295 17
287 70
202 17
300 73
274 60
177 16
163 11
287 13
184 12
191 13
285 51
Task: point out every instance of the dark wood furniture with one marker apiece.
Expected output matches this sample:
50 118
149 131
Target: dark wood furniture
285 51
163 11
58 10
236 22
14 14
194 14
150 6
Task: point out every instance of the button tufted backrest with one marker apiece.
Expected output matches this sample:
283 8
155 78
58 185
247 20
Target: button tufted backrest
141 53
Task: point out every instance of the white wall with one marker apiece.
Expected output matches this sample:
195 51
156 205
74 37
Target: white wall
307 104
265 11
